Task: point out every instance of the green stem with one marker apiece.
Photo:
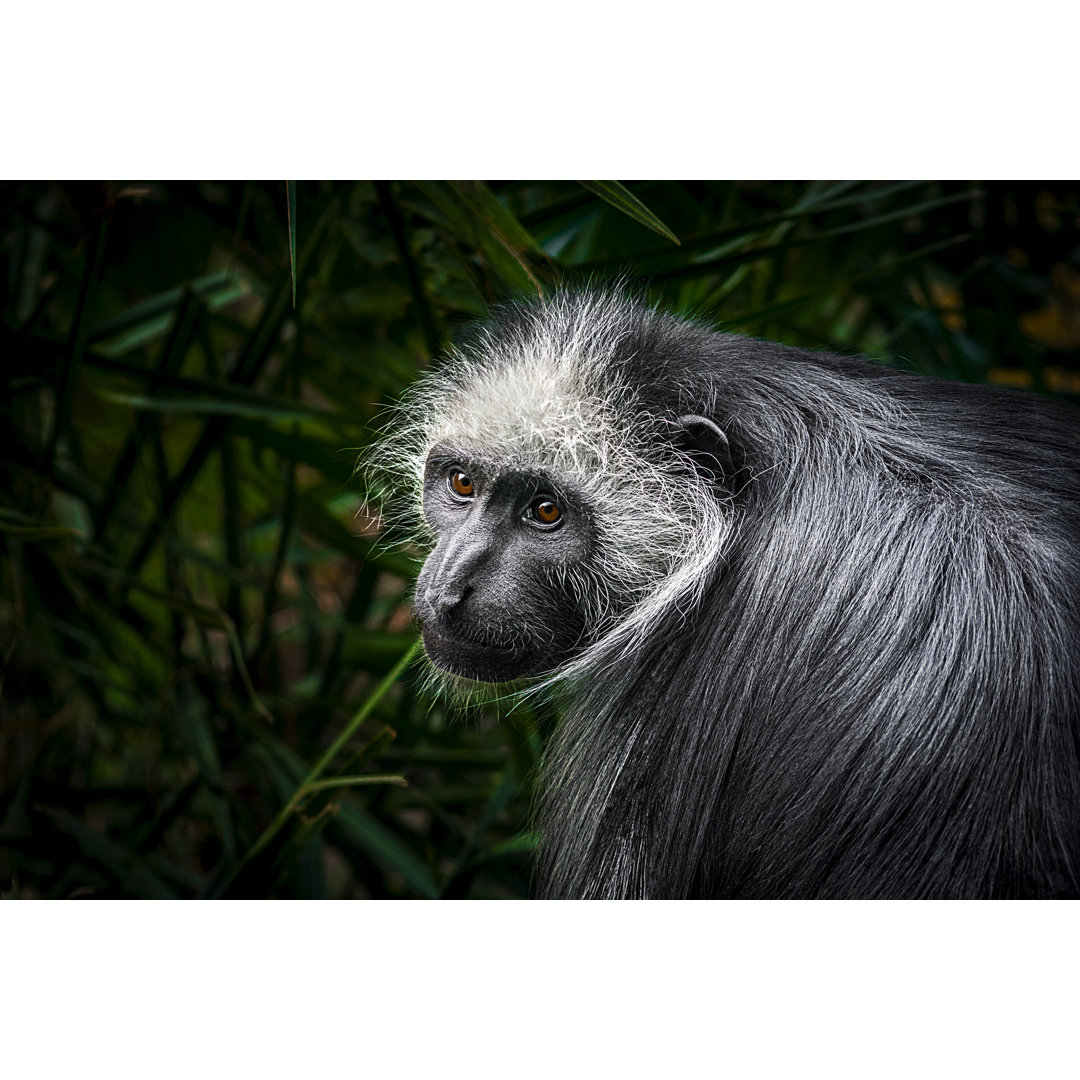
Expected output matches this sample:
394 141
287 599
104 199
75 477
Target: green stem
354 781
332 751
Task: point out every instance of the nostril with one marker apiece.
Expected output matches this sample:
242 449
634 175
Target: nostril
442 603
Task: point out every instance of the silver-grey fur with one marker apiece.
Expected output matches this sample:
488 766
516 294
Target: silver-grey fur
850 669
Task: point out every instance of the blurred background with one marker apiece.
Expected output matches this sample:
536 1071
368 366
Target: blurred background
207 683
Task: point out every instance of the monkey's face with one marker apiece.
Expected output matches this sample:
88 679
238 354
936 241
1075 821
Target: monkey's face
500 597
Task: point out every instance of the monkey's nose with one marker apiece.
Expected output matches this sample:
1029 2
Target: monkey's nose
443 601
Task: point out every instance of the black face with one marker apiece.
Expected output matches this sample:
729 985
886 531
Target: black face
492 598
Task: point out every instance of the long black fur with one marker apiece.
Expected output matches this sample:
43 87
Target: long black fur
879 695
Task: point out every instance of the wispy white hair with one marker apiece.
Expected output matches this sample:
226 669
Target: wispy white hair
544 386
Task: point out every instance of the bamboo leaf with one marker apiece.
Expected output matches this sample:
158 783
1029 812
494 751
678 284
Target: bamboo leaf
149 321
611 191
471 209
222 406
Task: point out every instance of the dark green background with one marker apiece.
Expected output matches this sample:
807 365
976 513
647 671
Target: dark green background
193 605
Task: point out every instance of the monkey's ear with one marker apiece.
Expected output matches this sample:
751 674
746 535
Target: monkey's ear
707 445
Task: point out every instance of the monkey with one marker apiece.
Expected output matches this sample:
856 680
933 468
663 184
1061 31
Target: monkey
814 621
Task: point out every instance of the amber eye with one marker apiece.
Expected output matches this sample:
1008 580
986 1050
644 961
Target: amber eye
545 511
461 483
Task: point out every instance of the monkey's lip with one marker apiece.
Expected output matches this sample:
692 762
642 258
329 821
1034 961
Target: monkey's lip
482 661
434 634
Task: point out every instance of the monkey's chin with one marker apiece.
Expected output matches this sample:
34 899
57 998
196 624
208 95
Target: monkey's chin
480 663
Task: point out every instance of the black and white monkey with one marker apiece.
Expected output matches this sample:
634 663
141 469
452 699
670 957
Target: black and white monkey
819 619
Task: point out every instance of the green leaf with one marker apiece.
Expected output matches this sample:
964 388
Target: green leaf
150 320
255 408
611 191
472 211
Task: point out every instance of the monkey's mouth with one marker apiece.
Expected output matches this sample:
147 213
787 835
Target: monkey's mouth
482 659
476 641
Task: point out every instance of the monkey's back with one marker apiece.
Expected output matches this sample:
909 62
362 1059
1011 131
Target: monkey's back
879 695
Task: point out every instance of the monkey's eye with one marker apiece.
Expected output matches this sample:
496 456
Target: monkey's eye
544 510
460 483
